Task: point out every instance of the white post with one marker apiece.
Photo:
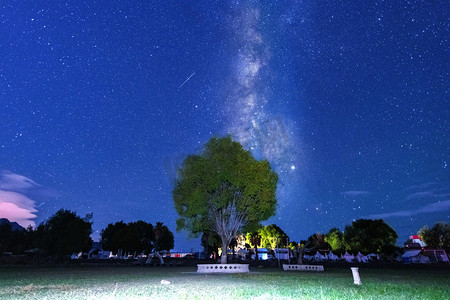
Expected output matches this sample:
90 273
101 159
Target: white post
356 279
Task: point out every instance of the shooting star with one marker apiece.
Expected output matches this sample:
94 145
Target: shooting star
186 80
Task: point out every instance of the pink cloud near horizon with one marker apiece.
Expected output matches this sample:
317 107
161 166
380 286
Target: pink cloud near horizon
14 204
17 208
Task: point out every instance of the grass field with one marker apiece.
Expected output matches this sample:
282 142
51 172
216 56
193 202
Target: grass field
137 282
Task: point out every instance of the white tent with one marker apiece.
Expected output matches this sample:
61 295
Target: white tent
373 256
348 257
307 257
415 256
318 256
332 256
362 258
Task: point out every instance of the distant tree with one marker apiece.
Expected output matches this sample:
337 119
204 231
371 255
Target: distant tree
224 190
13 237
5 237
211 243
163 237
140 237
317 242
335 238
114 236
65 233
437 237
369 235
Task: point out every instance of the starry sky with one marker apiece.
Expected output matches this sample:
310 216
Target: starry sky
100 102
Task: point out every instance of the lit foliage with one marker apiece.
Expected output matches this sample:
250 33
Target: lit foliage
225 182
367 235
437 237
268 237
335 238
65 233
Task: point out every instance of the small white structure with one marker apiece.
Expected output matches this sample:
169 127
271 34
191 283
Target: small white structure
356 278
222 268
302 268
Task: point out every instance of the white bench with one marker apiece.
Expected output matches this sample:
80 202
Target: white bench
302 268
222 268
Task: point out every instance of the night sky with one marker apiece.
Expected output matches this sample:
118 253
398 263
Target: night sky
100 101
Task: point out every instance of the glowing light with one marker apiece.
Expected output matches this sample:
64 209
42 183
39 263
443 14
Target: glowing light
292 167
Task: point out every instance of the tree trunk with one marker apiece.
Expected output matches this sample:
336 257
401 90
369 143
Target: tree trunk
224 256
300 256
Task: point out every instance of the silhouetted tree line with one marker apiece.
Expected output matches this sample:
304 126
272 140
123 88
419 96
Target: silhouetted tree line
65 233
140 237
62 234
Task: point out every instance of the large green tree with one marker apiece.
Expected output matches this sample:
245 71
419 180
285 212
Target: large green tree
369 235
224 190
65 233
437 237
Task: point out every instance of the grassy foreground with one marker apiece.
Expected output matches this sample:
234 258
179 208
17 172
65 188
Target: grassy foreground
135 282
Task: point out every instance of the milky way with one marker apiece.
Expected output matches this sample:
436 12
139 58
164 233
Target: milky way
251 123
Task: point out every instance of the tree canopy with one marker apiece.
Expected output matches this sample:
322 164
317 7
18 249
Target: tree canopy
335 238
65 233
269 236
224 189
437 237
369 235
138 236
164 239
317 242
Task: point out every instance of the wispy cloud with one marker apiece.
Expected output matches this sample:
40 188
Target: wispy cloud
15 204
356 193
14 182
419 195
429 208
421 187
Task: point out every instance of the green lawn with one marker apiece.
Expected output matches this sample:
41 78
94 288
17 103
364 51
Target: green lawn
132 282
